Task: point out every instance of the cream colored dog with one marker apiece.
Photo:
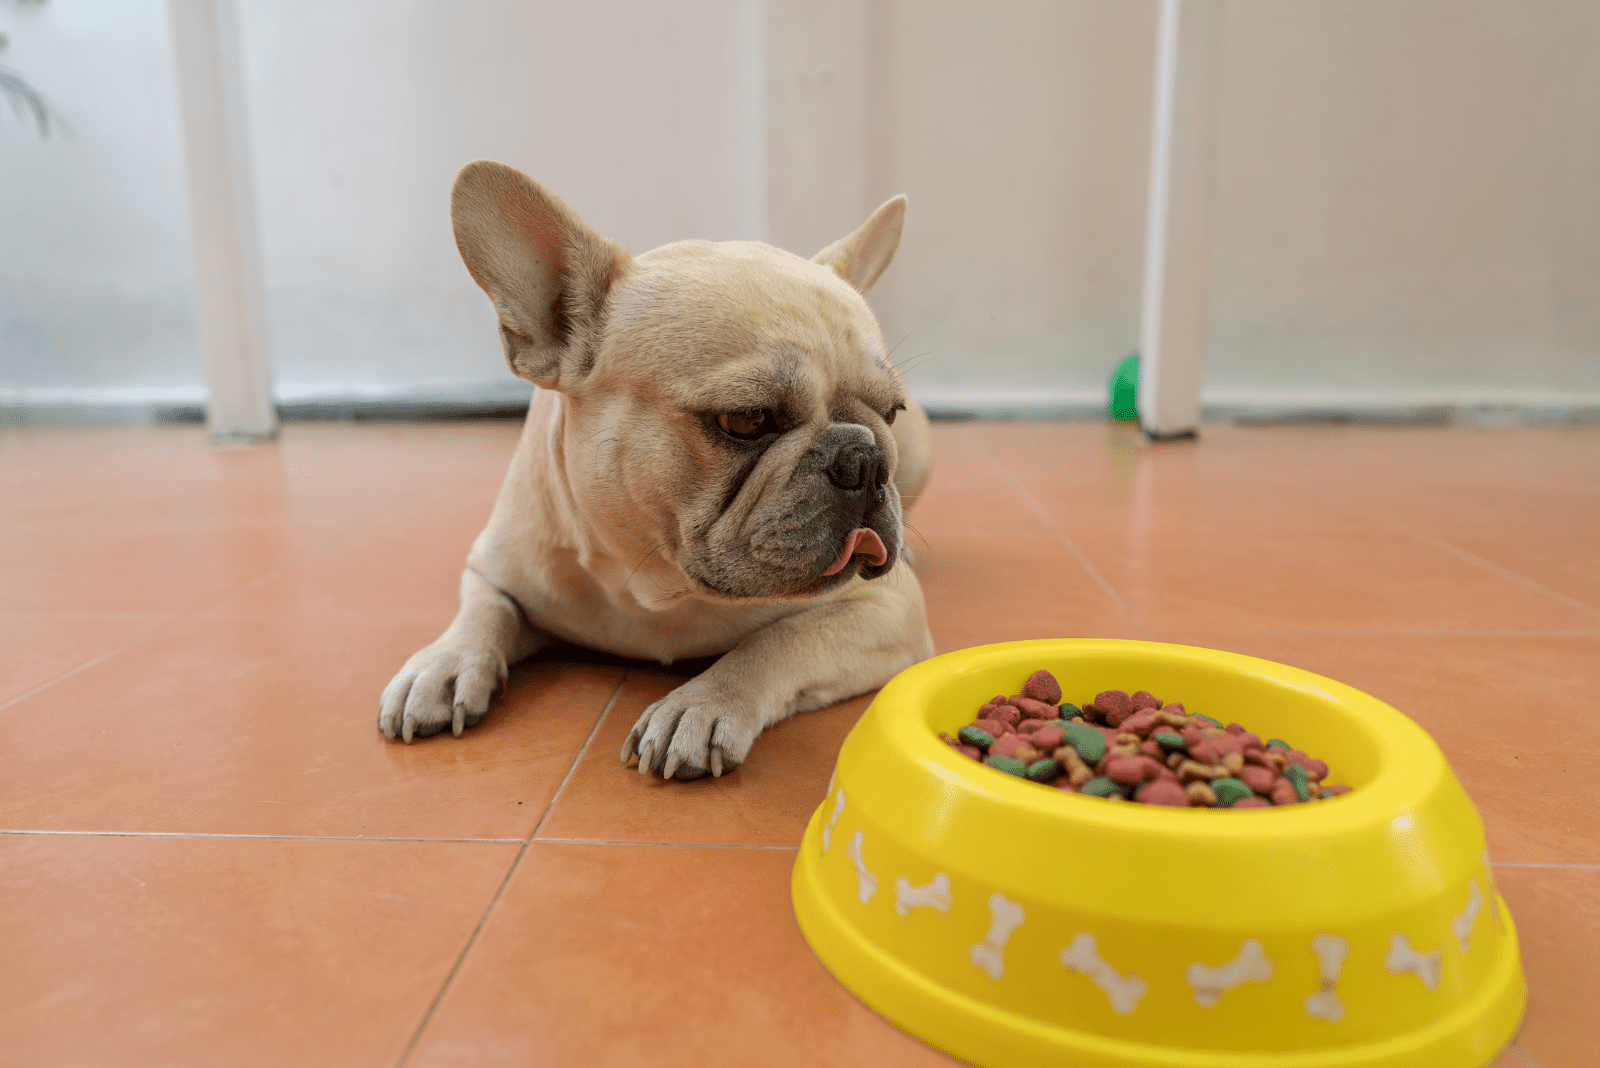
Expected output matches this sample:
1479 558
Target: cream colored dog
707 467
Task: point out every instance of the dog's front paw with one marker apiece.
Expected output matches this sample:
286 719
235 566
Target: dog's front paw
441 686
690 732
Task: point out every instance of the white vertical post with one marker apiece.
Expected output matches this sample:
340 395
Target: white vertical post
1176 260
227 257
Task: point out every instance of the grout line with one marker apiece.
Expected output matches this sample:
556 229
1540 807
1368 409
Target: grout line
461 958
249 837
579 759
1438 544
663 845
1522 1055
1572 867
1061 536
229 596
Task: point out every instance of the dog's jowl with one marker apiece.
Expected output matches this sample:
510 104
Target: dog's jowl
712 463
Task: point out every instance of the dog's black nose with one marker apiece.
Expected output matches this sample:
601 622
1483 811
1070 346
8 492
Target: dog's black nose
859 465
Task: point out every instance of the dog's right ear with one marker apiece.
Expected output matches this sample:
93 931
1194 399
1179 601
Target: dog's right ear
548 274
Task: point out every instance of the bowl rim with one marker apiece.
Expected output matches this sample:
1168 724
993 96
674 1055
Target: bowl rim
1408 759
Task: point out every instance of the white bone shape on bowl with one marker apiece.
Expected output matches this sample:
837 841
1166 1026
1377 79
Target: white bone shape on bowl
1005 916
1404 957
1250 966
935 895
1083 956
827 830
1331 951
866 882
1461 926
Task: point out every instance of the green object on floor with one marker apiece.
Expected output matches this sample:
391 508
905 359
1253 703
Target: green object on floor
1125 389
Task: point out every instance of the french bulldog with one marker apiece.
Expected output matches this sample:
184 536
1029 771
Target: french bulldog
712 463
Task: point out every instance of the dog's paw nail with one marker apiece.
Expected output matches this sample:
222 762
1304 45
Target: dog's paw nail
458 721
716 762
673 762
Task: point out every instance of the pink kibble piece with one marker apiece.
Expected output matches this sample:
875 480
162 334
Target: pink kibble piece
1042 686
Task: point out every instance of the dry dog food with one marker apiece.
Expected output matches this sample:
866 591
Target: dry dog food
1135 747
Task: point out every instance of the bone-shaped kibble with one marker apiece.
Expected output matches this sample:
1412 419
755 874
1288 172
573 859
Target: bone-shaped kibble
1123 990
1251 965
1461 926
827 830
936 895
1005 916
867 883
1331 951
1403 957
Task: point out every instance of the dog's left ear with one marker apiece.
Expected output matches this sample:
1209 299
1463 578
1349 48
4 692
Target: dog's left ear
863 256
548 274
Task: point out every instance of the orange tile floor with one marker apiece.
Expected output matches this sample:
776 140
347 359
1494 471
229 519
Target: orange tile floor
210 857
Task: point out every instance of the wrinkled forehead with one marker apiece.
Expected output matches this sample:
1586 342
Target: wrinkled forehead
731 323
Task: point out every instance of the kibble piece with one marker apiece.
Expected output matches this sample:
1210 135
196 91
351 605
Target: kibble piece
1145 699
973 736
1333 791
1201 795
1007 765
1100 787
1229 790
1278 743
1050 737
1169 740
1114 705
1068 710
1257 778
1162 792
1283 793
1037 709
992 727
1127 770
1208 720
1090 743
1045 770
1042 686
1251 802
1005 714
1295 775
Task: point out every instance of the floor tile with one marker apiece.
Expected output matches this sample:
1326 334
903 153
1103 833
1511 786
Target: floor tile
630 955
1538 790
156 521
137 951
998 586
41 646
1557 913
765 801
266 725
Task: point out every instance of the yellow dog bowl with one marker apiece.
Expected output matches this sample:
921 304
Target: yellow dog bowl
1013 924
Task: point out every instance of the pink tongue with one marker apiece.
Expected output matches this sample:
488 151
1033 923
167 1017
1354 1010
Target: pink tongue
864 542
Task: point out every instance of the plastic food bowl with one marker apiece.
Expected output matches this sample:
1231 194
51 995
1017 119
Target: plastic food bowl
1013 924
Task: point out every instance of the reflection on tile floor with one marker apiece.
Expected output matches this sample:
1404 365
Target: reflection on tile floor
210 856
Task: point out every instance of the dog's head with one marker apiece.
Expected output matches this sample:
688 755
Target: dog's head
728 402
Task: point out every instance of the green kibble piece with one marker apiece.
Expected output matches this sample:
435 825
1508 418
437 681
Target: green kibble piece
1007 765
1103 786
1297 778
1044 770
1215 723
1068 710
974 736
1230 790
1090 743
1168 740
1278 743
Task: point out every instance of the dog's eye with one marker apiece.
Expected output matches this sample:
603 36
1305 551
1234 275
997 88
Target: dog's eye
748 424
897 408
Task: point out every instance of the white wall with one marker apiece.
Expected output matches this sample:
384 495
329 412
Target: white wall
1405 201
